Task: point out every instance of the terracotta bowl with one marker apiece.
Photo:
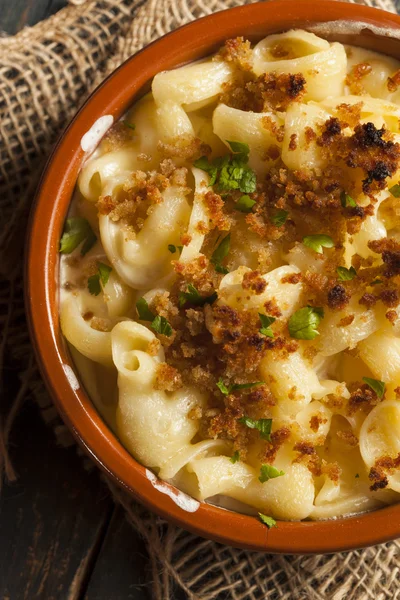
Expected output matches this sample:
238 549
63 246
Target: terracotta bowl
113 97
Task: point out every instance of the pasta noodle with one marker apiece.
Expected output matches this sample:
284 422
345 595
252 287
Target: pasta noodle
230 278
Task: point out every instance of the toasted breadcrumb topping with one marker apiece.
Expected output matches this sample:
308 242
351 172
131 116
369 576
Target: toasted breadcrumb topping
217 338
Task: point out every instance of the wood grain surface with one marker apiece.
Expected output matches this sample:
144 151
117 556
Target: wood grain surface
61 536
16 14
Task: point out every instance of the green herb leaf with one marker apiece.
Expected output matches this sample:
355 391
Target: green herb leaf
173 248
264 426
130 125
376 282
248 182
347 201
268 521
356 475
346 274
90 241
269 472
193 297
102 275
279 218
220 253
376 385
161 325
210 168
76 231
230 172
265 325
318 242
222 387
235 457
143 310
236 386
94 286
395 190
245 204
239 148
304 322
104 272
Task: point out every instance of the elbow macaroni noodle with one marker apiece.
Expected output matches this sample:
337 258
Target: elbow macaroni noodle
164 278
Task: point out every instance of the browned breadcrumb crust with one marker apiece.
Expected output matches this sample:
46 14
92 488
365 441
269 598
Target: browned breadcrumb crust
316 421
138 196
363 397
393 82
348 438
118 136
383 467
186 147
168 378
269 91
278 438
315 464
101 324
390 251
354 78
346 321
236 51
254 282
217 341
337 297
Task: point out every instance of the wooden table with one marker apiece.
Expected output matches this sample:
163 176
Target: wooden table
61 536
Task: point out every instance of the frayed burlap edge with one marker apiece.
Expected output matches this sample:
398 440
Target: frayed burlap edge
46 72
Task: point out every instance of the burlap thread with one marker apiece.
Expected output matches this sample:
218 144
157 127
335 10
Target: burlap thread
46 72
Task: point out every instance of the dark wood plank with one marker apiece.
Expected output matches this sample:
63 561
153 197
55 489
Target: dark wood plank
120 572
16 14
52 520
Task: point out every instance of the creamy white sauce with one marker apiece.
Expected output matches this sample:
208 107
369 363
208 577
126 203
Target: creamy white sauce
72 379
181 499
92 137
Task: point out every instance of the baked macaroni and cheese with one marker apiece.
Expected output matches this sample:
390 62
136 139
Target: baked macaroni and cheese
230 278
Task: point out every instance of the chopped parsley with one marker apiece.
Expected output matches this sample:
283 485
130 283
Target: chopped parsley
395 190
269 472
235 457
245 204
161 325
268 521
264 426
130 125
376 282
304 322
346 274
226 390
265 325
318 242
230 172
376 385
347 201
173 248
143 310
158 324
93 284
192 296
102 276
239 149
220 253
279 218
356 475
76 231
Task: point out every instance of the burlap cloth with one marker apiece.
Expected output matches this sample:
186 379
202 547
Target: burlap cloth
46 72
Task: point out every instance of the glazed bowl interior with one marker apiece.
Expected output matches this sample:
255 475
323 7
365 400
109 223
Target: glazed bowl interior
347 23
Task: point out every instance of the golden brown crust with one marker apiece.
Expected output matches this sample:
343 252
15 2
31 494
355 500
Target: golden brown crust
168 378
